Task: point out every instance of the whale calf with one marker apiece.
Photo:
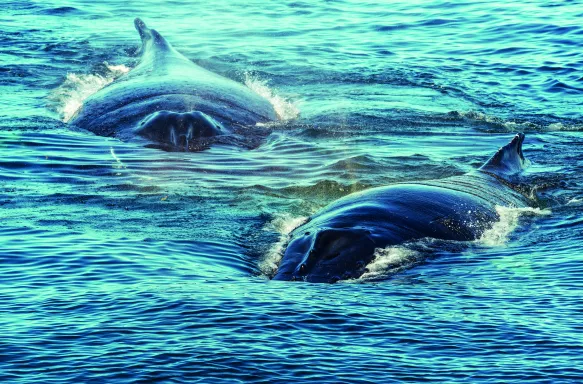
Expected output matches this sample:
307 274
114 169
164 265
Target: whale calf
340 240
170 101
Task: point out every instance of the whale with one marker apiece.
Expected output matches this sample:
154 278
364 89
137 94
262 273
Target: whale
168 101
339 241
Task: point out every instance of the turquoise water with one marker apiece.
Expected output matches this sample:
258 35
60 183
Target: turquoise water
128 264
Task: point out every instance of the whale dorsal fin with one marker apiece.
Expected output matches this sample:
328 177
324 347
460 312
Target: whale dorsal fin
151 39
508 160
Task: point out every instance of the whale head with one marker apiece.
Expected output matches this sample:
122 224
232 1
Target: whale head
327 255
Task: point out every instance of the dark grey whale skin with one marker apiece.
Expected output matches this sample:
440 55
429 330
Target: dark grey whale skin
340 240
168 99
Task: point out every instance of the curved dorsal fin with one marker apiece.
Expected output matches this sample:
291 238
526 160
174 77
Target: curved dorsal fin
151 39
508 160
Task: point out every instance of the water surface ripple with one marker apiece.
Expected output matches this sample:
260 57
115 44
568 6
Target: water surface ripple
120 263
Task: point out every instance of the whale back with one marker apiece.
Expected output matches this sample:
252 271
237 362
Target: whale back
341 239
165 80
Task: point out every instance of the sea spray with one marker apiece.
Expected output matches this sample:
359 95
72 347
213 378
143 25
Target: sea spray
283 224
76 88
390 260
500 231
285 109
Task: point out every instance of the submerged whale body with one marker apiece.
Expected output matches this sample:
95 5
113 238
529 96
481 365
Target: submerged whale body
340 240
168 100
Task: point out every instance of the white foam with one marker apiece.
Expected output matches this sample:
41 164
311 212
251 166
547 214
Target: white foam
389 260
565 127
118 70
509 219
71 94
283 224
285 109
393 259
509 125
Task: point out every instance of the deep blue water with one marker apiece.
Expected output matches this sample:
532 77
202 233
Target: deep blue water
120 263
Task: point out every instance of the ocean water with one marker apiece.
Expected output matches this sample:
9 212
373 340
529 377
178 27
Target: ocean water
120 263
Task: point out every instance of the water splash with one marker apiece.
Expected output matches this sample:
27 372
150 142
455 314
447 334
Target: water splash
390 260
285 109
283 224
69 96
509 219
393 259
